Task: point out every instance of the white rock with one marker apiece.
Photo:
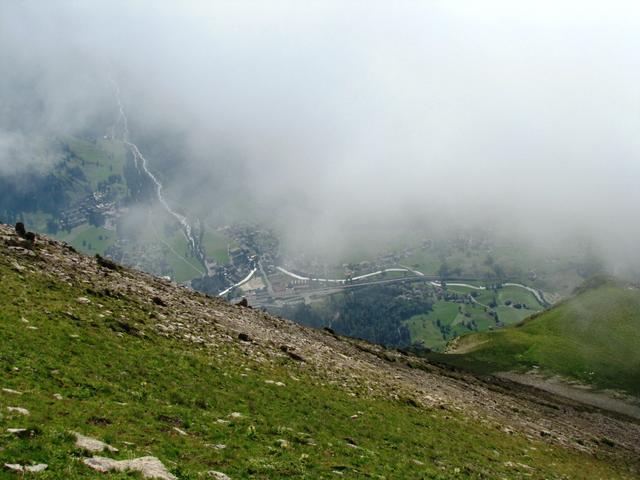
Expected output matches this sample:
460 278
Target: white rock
20 410
83 300
57 396
92 445
14 392
218 475
36 468
16 467
150 467
180 431
18 267
235 415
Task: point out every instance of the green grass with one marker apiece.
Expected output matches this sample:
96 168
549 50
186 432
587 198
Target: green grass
216 245
98 160
184 265
121 382
88 239
592 337
424 328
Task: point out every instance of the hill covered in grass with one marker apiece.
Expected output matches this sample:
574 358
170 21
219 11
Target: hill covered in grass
212 389
592 337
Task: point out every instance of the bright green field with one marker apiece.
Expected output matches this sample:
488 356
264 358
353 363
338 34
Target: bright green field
184 265
216 245
122 383
424 328
593 337
98 161
89 239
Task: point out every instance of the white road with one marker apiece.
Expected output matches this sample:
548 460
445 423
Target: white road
535 292
241 282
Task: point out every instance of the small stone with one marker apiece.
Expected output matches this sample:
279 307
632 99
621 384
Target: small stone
36 468
16 431
57 396
282 443
13 392
218 475
20 410
83 300
235 415
181 432
92 445
150 467
16 467
17 267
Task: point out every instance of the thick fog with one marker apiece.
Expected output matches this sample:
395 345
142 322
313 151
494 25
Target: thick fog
336 121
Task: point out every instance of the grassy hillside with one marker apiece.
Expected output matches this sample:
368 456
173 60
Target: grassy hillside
448 320
89 351
592 337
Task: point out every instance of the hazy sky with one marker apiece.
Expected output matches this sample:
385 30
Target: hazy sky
340 114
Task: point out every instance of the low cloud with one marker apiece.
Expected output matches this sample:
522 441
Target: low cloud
340 121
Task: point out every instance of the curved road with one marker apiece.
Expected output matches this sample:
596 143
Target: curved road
537 294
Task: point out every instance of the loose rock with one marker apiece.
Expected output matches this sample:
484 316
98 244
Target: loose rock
20 410
218 475
150 467
92 445
9 390
16 467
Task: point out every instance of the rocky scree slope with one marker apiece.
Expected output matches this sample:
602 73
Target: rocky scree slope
215 389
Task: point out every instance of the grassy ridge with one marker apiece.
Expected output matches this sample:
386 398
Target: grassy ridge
592 337
123 383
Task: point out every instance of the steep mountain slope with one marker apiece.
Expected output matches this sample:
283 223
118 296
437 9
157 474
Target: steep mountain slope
592 337
154 369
